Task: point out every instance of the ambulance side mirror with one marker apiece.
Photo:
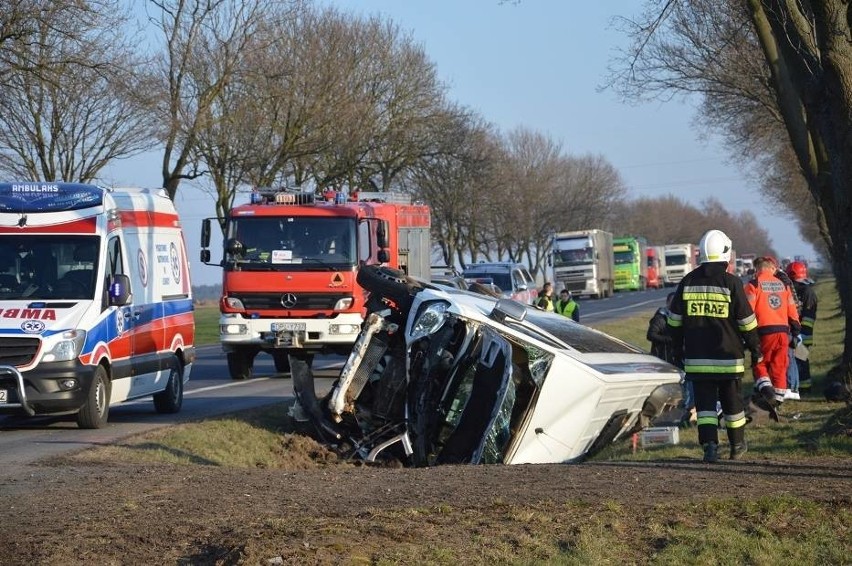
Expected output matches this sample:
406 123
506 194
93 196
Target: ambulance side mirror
119 290
384 256
205 256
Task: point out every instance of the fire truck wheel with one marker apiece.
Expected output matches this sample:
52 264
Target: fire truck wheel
387 282
240 364
96 410
170 399
282 361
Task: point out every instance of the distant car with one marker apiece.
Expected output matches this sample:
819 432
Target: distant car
445 275
444 376
514 279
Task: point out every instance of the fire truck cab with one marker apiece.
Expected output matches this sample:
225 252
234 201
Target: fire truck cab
289 266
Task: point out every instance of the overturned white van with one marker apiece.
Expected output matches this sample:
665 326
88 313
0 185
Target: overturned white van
95 300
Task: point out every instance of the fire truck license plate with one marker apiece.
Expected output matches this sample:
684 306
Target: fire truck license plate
3 396
289 326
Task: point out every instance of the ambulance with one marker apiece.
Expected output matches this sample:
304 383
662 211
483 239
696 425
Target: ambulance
95 300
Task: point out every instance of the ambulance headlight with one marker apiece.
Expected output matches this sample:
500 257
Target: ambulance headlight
233 329
343 304
430 319
68 348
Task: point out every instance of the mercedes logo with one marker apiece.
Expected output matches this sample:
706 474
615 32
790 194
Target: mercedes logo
288 300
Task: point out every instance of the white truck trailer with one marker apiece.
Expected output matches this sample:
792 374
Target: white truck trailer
582 262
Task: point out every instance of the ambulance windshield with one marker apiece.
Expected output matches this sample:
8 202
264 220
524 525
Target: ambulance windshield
48 267
286 243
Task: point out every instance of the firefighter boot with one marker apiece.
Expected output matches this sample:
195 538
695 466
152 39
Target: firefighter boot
737 450
711 452
736 438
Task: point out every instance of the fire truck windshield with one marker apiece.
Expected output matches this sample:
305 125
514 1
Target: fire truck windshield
284 243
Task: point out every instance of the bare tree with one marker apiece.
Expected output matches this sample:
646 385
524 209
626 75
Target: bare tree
455 181
75 107
808 56
204 42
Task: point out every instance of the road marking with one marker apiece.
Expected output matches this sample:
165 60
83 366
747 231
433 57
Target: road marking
633 306
224 385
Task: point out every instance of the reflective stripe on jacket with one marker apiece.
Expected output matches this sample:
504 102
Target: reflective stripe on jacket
773 304
709 319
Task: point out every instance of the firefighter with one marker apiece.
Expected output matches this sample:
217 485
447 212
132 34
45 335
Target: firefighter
777 319
567 306
798 272
710 319
545 297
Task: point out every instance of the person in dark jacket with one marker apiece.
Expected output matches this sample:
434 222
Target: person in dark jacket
798 272
661 346
658 334
710 320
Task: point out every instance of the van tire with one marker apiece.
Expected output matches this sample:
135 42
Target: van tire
389 283
240 364
170 399
94 413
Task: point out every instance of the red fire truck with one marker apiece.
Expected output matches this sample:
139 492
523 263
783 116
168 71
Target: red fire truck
289 266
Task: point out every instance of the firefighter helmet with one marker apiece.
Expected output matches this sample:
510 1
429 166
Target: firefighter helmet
714 246
797 270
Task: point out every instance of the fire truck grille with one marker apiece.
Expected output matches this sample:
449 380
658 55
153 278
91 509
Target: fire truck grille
17 351
290 301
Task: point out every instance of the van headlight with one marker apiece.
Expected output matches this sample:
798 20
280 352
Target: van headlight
68 348
430 319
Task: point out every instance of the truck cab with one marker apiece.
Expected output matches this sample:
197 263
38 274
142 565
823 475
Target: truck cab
289 266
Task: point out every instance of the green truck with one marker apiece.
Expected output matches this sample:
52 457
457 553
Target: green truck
631 266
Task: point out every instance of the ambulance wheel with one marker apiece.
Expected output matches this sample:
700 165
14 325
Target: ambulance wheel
282 361
94 413
170 399
240 364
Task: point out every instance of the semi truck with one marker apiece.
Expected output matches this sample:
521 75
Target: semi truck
631 263
582 262
680 260
289 267
656 266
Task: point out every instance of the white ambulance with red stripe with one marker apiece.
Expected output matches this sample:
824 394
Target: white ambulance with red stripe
95 300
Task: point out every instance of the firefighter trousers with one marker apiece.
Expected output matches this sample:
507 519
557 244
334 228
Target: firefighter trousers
728 393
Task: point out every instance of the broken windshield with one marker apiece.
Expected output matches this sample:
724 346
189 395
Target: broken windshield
292 242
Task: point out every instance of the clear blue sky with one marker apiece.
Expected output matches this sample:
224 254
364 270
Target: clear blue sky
538 64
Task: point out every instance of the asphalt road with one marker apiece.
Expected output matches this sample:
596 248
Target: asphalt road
210 392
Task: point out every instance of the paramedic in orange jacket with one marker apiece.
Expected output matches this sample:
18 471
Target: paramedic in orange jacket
775 308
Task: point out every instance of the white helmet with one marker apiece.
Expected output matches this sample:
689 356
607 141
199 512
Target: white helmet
714 246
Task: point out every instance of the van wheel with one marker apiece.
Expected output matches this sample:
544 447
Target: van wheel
388 282
170 399
282 361
240 364
94 413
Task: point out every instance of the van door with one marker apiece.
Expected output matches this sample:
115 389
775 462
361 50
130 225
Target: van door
149 261
122 347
